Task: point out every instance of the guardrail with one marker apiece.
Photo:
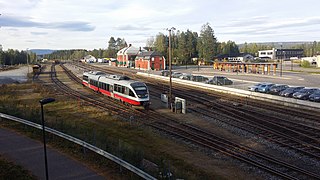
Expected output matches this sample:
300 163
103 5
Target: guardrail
107 155
290 102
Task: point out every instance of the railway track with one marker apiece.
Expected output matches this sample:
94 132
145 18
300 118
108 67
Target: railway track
303 139
110 105
187 135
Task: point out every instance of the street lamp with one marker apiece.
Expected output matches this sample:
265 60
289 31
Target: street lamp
281 61
170 67
43 102
28 60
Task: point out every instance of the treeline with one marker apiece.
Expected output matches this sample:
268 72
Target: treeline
15 57
310 49
114 45
188 45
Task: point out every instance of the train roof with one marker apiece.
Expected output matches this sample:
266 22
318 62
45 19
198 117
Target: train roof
112 78
94 73
123 82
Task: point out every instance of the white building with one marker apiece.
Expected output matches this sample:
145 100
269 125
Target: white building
271 54
318 61
89 59
281 53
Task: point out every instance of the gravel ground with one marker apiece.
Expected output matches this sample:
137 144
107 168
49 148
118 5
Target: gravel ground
14 76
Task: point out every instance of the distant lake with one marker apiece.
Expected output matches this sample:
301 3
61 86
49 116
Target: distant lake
14 76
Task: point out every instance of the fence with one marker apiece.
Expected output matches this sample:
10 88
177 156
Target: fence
107 155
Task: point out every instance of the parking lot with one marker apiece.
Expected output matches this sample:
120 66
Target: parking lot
206 74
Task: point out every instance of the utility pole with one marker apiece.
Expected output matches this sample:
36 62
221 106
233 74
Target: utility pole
170 68
281 60
28 60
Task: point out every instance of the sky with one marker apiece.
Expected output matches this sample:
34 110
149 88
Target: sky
89 24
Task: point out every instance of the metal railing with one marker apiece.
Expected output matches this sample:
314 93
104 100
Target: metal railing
105 154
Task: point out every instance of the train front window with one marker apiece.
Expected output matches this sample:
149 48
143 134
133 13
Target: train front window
141 91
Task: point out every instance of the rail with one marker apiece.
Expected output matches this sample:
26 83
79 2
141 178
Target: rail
105 154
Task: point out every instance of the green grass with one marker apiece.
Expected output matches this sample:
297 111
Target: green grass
9 170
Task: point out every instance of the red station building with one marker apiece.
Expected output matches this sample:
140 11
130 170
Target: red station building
150 60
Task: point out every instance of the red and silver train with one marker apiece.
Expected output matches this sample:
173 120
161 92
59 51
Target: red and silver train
118 87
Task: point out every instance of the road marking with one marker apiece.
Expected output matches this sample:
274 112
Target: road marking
301 79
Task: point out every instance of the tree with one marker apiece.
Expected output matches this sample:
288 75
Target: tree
150 43
120 43
112 49
161 44
182 51
207 43
191 44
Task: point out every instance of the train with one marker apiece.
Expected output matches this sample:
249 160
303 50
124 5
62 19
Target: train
122 88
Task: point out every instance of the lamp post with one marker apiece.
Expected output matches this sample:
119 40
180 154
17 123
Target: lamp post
281 61
28 59
43 102
170 67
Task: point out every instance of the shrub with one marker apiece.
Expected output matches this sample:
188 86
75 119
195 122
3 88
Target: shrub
305 64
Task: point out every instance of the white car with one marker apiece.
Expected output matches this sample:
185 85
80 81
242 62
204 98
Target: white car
255 87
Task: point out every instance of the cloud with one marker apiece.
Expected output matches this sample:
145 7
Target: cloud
13 21
258 20
129 27
39 33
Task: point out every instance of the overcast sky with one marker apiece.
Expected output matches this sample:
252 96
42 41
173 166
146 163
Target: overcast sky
89 24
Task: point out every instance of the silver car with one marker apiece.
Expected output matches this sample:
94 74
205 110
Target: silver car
255 87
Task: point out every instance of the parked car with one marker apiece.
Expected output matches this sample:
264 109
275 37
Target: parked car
219 80
277 88
315 96
265 88
186 76
199 78
289 91
255 87
176 74
304 93
165 73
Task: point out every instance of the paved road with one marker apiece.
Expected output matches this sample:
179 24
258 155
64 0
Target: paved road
29 154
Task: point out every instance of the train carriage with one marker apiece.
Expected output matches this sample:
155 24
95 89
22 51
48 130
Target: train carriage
127 91
91 79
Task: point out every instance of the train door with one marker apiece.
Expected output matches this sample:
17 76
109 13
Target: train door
111 91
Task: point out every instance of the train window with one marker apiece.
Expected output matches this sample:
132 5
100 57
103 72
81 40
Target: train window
131 93
116 87
102 85
126 92
85 78
141 88
122 89
119 88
